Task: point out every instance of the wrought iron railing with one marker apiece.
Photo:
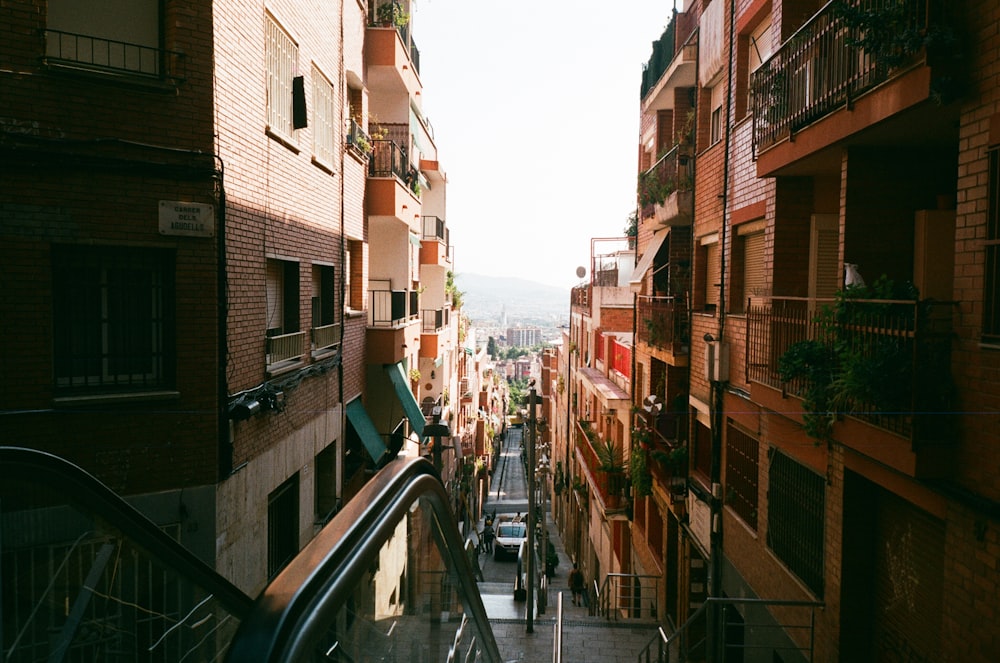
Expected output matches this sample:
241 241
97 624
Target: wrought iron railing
358 139
670 173
285 347
823 66
388 160
435 228
901 348
111 55
661 322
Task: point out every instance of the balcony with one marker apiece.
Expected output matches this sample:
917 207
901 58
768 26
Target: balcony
882 363
842 53
433 339
671 65
358 141
284 351
609 485
434 249
326 338
393 184
392 325
580 298
68 50
665 189
391 55
662 323
621 358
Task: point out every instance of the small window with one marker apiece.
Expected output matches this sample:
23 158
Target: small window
718 115
354 267
749 275
282 56
112 318
326 485
282 281
709 277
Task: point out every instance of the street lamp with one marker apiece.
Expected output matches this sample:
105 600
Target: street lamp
543 471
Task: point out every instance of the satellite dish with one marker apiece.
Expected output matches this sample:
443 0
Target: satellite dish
581 272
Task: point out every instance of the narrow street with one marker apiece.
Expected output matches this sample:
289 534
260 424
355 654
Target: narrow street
585 637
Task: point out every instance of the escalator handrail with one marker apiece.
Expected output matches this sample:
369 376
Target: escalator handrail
58 474
293 612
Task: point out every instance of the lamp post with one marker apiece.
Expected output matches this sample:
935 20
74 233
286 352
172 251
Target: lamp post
543 470
530 468
436 432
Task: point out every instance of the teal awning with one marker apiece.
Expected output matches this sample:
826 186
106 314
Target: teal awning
414 239
363 426
401 384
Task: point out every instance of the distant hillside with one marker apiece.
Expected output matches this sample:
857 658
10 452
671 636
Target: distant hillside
525 301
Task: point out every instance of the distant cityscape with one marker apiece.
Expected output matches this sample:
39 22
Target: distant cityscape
515 312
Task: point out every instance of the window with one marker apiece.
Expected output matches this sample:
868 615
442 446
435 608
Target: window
324 120
702 453
353 260
741 474
709 266
282 62
749 276
282 525
113 318
121 35
285 343
795 519
326 485
718 116
991 285
325 330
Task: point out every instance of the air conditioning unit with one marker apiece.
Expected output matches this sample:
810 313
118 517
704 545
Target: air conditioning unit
717 361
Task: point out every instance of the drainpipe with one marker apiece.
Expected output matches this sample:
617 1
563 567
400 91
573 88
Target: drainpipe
717 640
225 447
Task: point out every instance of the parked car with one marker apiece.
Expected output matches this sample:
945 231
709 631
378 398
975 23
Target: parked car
510 532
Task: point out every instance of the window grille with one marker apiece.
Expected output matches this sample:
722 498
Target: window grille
112 318
795 519
282 56
741 474
324 124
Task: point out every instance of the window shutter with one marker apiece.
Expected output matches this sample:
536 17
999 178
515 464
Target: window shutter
824 247
275 290
712 276
754 278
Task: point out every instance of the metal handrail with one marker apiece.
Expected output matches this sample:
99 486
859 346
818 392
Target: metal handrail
293 614
678 640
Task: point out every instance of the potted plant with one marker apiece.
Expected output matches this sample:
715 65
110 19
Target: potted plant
392 15
642 481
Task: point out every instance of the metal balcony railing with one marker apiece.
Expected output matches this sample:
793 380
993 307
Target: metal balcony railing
580 296
285 348
661 322
435 228
358 139
671 172
388 160
111 55
621 358
610 485
822 67
896 352
392 308
628 596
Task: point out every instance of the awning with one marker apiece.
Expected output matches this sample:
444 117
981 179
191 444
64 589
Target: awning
402 386
357 415
414 239
647 257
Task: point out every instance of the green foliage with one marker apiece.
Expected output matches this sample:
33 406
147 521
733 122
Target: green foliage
609 454
392 13
849 365
491 347
632 225
642 481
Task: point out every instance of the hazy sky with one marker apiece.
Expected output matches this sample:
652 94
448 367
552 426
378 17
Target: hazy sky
535 109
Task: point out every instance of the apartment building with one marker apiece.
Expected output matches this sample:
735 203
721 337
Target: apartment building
224 258
590 459
838 435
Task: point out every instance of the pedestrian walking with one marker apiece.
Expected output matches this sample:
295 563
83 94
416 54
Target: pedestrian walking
576 584
488 537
